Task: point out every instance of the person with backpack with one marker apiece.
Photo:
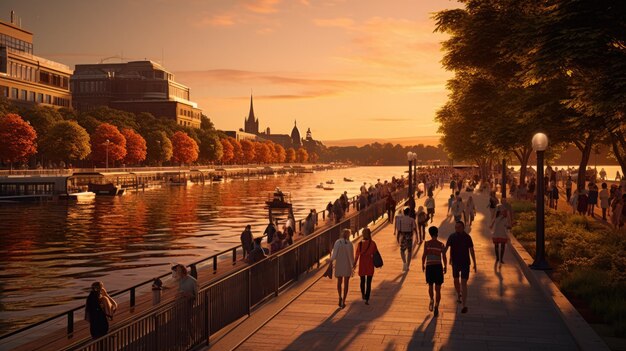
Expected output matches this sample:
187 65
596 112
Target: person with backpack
364 257
430 207
434 264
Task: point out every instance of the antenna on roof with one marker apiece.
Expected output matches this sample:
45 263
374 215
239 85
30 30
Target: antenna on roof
12 16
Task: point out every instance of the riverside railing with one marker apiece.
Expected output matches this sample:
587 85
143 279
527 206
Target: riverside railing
226 257
176 325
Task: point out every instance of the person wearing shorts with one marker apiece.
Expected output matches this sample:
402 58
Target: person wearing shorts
430 207
500 225
434 265
461 248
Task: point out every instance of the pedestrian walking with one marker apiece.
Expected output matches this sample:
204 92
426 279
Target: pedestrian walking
343 256
404 229
450 203
434 264
364 257
554 196
187 293
470 209
568 188
422 219
592 199
461 248
99 309
246 241
458 209
604 199
430 207
493 202
500 225
391 208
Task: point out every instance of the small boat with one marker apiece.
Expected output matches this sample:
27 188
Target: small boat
348 180
218 178
329 188
108 189
320 186
182 182
330 182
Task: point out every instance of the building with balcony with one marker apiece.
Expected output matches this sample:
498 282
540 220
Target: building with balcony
26 78
137 86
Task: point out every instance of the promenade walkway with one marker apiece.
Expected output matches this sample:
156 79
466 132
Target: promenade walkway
505 311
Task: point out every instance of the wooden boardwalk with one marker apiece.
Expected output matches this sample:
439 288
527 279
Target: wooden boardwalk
505 311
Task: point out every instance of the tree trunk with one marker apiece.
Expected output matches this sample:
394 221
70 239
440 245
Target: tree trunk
523 155
621 159
585 149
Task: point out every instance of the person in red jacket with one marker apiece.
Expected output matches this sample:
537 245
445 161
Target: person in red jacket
364 256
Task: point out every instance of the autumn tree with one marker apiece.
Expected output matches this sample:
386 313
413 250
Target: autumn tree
159 147
107 143
185 148
262 153
136 148
228 154
281 154
302 155
290 155
66 141
247 147
17 139
273 155
237 150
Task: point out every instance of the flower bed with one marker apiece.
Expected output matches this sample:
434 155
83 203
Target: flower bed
589 262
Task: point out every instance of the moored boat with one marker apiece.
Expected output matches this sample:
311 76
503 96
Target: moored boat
108 189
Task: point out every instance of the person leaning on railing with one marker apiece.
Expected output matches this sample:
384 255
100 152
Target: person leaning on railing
99 309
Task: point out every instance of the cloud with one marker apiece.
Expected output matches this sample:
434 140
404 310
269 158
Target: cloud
215 21
340 22
261 6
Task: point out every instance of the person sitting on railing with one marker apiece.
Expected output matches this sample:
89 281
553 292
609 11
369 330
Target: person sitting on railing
99 309
257 252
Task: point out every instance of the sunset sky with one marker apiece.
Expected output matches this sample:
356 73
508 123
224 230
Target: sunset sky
345 68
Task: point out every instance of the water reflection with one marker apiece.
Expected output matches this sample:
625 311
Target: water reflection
50 253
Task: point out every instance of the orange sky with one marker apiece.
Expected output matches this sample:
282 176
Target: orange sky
345 68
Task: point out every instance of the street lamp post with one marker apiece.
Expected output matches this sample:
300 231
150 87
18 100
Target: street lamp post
415 182
107 153
540 144
409 157
503 187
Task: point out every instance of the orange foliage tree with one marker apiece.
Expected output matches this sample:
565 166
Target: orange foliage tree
136 149
185 148
290 155
281 154
237 150
248 151
301 155
17 139
262 153
273 157
116 145
229 154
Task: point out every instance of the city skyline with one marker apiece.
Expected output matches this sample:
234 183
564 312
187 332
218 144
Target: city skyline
349 72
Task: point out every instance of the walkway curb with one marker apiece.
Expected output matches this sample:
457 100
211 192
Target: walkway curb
586 338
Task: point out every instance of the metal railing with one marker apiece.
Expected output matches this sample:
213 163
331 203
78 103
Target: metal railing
177 326
226 257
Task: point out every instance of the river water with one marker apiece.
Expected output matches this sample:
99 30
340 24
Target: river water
51 253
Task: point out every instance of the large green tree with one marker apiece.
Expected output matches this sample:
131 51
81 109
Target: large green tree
159 147
66 141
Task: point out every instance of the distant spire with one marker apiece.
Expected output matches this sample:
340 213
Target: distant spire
251 113
295 123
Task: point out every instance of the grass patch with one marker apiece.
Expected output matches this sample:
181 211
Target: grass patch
591 260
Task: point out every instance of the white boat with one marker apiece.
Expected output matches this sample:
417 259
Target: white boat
80 195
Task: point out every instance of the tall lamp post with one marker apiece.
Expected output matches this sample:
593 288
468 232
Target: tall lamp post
415 182
107 153
503 187
540 144
409 157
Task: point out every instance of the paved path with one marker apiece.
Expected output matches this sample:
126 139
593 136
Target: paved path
505 312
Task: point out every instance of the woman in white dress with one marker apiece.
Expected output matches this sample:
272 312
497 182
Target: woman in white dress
343 255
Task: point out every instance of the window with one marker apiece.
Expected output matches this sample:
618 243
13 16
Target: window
4 91
14 93
23 95
31 96
40 98
48 99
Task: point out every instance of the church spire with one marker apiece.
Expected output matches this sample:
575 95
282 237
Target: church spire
251 113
